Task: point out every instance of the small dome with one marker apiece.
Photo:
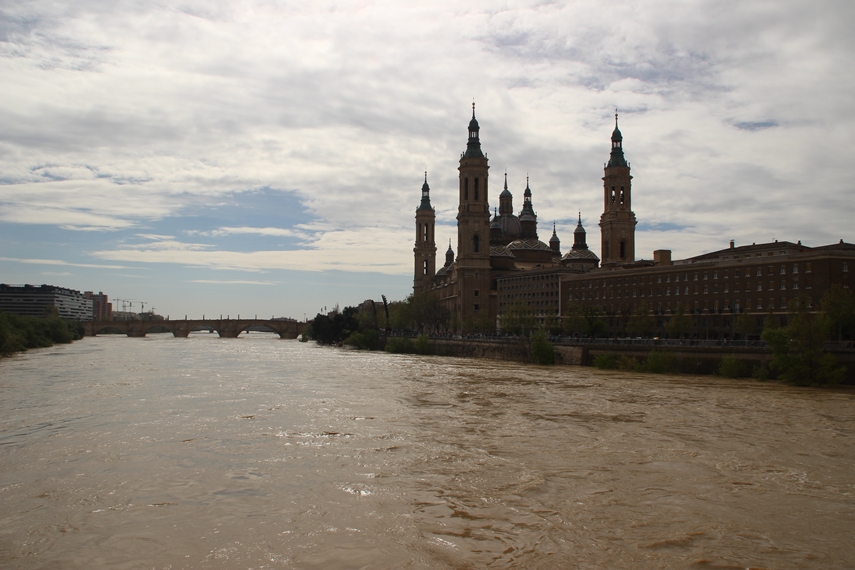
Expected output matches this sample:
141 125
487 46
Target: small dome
500 251
510 226
554 238
580 255
531 244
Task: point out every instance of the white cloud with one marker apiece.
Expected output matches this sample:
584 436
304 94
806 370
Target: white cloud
61 262
736 117
363 250
233 282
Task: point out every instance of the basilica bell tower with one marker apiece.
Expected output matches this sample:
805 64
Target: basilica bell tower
473 232
617 224
425 247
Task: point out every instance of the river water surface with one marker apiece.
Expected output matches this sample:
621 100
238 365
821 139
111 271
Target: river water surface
262 453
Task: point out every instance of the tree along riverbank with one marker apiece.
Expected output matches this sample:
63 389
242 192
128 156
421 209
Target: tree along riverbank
18 334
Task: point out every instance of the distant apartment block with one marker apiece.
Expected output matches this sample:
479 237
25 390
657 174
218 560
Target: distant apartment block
34 301
102 309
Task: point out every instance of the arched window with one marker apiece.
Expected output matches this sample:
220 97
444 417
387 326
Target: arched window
613 194
622 197
622 249
426 268
427 233
465 188
475 243
476 189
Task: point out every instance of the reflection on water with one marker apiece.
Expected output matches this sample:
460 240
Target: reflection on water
262 453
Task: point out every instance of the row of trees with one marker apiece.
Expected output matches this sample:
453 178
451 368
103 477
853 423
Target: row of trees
798 345
424 312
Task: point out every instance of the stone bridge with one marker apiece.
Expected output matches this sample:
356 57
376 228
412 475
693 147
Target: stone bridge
226 328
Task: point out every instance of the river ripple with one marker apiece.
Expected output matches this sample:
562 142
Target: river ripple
262 453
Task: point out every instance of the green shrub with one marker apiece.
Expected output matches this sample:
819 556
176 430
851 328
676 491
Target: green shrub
400 345
760 372
629 363
660 362
366 340
605 361
422 345
731 367
542 351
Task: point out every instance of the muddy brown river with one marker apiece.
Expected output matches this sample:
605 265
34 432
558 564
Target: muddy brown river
165 453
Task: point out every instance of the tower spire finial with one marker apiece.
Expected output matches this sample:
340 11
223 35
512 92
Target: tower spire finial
425 175
473 107
506 179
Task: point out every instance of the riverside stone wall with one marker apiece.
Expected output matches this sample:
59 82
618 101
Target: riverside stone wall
690 359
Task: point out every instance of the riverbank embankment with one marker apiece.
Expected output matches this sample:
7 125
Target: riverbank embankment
690 357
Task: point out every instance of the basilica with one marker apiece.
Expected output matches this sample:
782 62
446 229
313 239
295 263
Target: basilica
504 246
501 262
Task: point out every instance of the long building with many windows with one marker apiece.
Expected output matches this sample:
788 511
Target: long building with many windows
33 301
713 288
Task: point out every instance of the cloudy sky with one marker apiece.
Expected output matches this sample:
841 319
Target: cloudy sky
262 157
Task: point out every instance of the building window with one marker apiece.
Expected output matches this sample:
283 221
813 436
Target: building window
696 276
476 189
465 188
795 285
705 276
426 268
715 275
736 273
783 270
807 267
475 243
476 292
477 307
759 286
622 249
845 267
759 272
795 268
783 286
